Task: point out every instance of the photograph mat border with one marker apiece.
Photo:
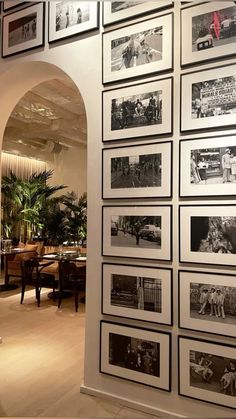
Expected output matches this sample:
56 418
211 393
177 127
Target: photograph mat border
185 320
38 42
187 123
201 345
188 57
15 4
129 133
185 188
127 374
165 64
146 316
155 191
185 253
156 254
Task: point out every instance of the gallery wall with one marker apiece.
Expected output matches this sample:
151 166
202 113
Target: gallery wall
80 58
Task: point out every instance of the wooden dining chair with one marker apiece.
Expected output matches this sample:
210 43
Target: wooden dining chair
71 278
32 274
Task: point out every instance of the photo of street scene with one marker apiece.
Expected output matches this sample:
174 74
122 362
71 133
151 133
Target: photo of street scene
117 6
213 373
214 29
213 165
136 292
71 13
136 111
141 171
136 231
134 354
213 302
214 97
213 234
136 49
22 30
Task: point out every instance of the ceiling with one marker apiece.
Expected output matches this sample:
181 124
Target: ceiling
50 118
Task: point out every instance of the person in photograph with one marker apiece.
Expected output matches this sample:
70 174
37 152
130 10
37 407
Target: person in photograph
130 358
138 107
147 363
195 177
139 363
202 169
154 107
233 166
140 296
226 165
34 27
202 368
225 27
145 52
228 380
129 54
220 298
204 297
213 300
79 15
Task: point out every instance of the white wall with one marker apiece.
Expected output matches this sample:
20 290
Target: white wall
81 60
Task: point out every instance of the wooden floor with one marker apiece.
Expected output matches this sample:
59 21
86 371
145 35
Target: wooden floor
41 361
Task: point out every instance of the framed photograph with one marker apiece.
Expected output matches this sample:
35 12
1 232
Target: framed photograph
207 302
206 164
10 4
139 110
209 371
208 234
69 18
136 354
138 49
208 32
138 231
138 171
116 11
23 30
208 99
137 292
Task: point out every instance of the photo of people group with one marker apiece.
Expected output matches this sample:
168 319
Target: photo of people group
213 234
136 231
22 30
136 49
136 111
213 373
136 292
134 354
214 29
70 13
213 165
139 171
214 97
215 303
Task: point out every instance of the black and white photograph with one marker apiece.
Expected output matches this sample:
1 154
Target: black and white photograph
23 30
138 110
138 49
137 292
10 4
211 163
209 99
208 234
69 18
135 354
137 231
116 11
208 32
137 171
211 371
207 302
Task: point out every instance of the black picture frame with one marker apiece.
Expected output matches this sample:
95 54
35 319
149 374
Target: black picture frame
25 30
146 60
54 34
223 355
206 234
207 118
210 154
129 128
141 9
12 4
152 242
154 304
159 346
133 174
209 46
197 302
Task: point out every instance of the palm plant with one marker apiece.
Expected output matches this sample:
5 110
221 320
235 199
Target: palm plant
75 220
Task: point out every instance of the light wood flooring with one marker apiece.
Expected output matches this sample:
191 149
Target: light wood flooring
41 361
